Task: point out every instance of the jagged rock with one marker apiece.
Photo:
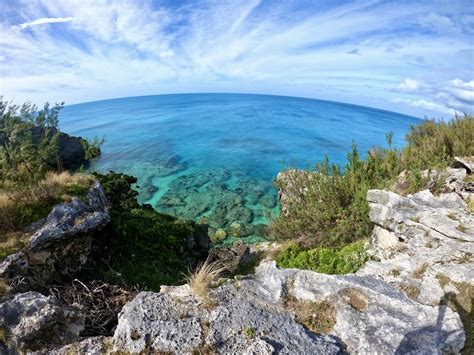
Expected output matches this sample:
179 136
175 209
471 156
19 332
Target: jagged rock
424 244
91 346
62 244
371 316
71 149
32 321
250 315
464 162
174 320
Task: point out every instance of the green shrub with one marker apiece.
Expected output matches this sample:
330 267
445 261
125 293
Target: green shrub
139 246
29 142
347 259
328 204
92 147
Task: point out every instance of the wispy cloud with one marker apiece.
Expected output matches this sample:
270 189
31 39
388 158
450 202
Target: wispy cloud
43 21
399 57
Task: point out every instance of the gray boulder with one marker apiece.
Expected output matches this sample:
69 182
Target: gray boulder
176 321
31 321
91 346
62 242
252 315
371 316
423 244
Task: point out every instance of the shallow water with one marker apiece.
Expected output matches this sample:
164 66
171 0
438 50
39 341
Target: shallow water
213 157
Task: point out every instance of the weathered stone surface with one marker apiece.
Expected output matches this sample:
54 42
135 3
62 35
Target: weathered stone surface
424 244
249 316
71 218
31 321
90 346
464 162
176 321
380 320
155 322
62 243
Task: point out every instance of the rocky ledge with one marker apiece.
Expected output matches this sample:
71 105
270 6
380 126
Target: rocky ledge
274 311
60 243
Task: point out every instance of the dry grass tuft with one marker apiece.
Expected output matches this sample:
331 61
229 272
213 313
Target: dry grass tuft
319 317
4 288
420 271
355 297
201 279
410 290
101 303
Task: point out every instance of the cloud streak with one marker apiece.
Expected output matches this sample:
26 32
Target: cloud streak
43 21
372 53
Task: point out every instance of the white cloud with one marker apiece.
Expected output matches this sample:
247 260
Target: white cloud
43 21
126 48
410 85
426 104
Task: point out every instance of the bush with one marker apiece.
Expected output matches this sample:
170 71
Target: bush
347 259
139 246
328 204
29 142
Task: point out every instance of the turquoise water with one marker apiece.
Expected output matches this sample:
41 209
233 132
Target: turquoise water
213 157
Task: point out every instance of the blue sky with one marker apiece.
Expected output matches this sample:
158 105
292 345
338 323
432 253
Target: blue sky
414 57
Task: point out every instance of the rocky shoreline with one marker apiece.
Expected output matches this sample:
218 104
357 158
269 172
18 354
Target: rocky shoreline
411 297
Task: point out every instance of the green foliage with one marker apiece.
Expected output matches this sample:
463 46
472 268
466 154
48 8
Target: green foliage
139 246
92 147
347 259
433 144
29 141
328 204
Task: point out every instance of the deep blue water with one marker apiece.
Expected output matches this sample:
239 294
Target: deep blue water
213 157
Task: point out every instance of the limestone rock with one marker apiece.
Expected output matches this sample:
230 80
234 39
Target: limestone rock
62 243
424 244
465 162
176 321
31 321
91 346
372 317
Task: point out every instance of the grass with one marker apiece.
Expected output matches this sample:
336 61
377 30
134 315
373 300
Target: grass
453 216
21 207
411 291
347 259
201 279
355 297
250 332
420 271
462 228
319 317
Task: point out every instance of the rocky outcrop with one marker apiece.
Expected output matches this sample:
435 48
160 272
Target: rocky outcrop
61 243
266 313
176 321
71 152
31 321
423 244
92 346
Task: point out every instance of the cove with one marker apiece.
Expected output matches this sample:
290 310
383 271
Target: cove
213 157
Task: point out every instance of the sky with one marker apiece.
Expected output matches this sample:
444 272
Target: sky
413 57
